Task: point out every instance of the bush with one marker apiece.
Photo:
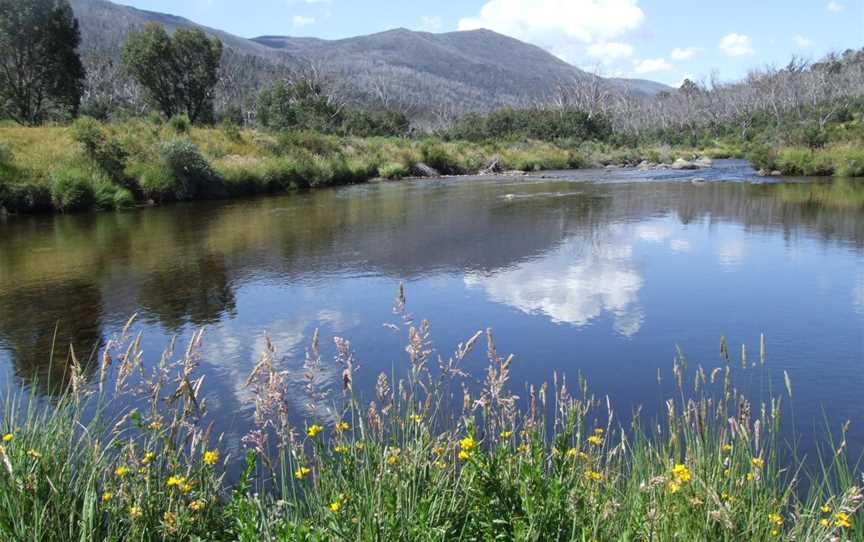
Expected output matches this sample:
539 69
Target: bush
180 124
392 170
72 190
312 142
437 156
105 152
187 173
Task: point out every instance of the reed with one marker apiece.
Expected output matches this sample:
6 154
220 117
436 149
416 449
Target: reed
126 453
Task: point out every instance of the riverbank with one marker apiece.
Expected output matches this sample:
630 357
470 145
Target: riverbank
409 465
93 166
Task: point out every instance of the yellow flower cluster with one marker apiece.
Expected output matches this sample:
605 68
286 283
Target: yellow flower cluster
210 457
416 418
302 472
8 437
466 446
681 473
593 475
313 430
341 427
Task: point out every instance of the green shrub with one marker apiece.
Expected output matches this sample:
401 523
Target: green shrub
104 151
72 189
312 142
187 173
392 170
436 155
180 124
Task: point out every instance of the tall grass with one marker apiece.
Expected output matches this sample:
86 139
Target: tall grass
431 455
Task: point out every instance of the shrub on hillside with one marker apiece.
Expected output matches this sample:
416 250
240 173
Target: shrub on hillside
187 174
180 124
105 151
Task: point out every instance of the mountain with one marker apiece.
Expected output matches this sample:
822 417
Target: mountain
422 73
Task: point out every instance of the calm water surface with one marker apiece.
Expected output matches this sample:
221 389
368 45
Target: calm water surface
603 278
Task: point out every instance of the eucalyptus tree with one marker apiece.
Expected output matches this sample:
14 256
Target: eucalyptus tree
41 73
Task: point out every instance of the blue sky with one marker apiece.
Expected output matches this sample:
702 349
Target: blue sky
663 40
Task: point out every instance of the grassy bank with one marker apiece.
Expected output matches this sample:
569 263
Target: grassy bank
425 459
89 165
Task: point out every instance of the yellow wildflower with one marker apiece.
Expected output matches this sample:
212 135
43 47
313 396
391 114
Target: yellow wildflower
175 481
842 519
572 452
824 522
775 519
464 455
211 457
439 450
107 496
523 448
314 430
749 477
727 448
467 444
673 487
341 449
825 508
121 471
8 437
335 507
726 472
593 475
416 418
197 506
155 425
506 434
169 519
681 473
440 465
135 511
599 431
359 445
148 457
34 454
725 497
758 462
302 472
185 487
393 456
775 532
595 440
341 427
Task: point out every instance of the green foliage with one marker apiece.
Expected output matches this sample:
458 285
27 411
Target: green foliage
540 124
180 124
186 173
437 155
179 72
41 74
106 152
72 189
300 105
392 170
363 123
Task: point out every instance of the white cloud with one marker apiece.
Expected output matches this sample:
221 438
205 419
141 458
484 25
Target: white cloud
736 45
652 65
684 54
835 7
680 245
300 21
430 23
610 50
559 25
802 41
732 253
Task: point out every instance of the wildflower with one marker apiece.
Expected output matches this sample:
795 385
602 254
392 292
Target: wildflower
302 472
599 431
197 506
673 487
842 519
572 452
824 522
107 496
727 448
439 450
211 457
34 454
148 457
440 465
464 455
335 506
681 473
341 449
135 511
169 519
175 481
185 487
726 472
523 448
467 444
359 445
8 437
155 425
416 418
314 430
393 456
593 475
775 519
758 462
121 471
595 440
749 477
725 497
775 532
825 508
506 434
341 427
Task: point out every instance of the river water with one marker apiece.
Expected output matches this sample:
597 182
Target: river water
601 273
